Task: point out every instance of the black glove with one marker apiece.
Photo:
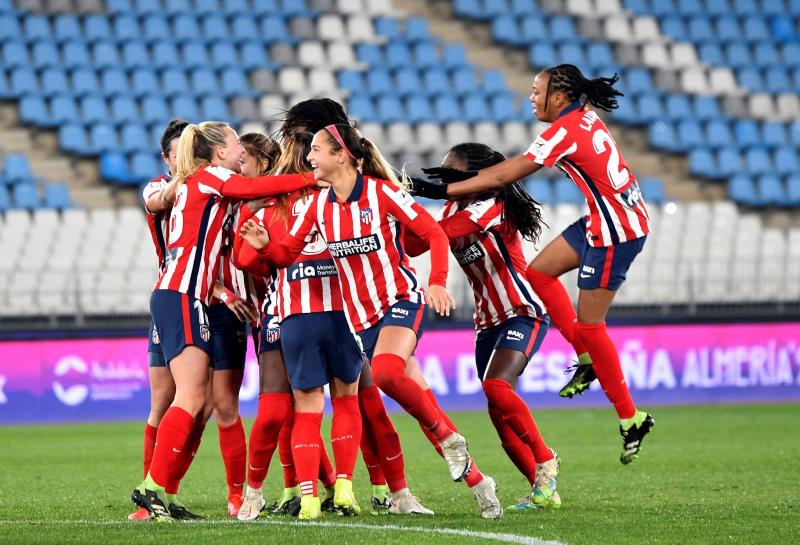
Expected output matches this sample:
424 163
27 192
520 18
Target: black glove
449 175
429 190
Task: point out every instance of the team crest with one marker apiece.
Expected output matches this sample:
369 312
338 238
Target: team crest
273 334
205 333
366 216
156 338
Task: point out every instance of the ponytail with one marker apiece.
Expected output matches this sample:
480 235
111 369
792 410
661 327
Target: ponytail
598 92
196 147
365 155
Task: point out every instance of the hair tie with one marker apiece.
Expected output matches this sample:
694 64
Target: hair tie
338 137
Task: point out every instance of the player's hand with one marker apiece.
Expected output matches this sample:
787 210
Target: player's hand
254 234
449 175
244 310
440 299
257 204
429 190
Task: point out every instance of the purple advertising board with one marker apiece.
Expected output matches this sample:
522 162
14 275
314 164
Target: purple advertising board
106 379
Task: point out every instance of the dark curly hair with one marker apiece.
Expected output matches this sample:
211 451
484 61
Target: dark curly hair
598 92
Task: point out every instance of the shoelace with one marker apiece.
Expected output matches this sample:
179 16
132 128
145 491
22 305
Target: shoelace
572 368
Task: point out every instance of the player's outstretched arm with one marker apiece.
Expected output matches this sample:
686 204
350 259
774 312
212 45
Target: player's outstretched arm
494 177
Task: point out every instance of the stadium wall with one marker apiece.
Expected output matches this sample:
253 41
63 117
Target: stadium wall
76 380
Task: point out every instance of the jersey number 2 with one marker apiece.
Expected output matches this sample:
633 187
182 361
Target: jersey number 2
603 142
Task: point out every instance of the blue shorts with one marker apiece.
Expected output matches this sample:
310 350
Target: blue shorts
269 337
228 339
403 314
155 358
521 333
319 347
604 267
180 321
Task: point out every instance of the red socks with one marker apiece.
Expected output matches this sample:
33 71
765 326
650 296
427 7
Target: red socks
233 445
326 474
380 435
345 434
558 304
273 410
607 367
192 444
517 415
285 452
306 446
371 459
171 440
149 445
518 452
388 370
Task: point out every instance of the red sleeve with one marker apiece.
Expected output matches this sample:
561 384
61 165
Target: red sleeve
413 245
245 257
402 206
459 225
551 146
239 187
282 253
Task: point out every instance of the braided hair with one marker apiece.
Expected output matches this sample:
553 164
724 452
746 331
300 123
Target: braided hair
524 214
598 92
312 115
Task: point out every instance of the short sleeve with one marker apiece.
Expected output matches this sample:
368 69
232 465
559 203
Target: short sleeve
486 213
401 204
551 146
151 188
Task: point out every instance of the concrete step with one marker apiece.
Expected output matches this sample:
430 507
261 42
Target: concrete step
16 141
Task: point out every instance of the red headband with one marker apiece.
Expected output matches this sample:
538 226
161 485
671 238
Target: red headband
338 137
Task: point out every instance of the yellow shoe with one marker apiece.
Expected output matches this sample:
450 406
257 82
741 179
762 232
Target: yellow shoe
310 508
344 500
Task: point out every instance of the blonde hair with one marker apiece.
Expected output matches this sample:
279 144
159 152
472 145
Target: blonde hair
266 151
196 147
292 161
367 156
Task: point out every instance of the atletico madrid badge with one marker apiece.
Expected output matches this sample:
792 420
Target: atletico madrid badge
366 216
205 333
273 334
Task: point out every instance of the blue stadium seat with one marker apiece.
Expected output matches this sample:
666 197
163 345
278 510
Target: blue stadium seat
653 190
540 189
143 166
96 27
387 27
93 110
758 161
416 29
390 109
184 106
350 81
711 53
750 78
523 7
45 54
425 54
542 55
674 27
16 168
154 6
361 107
662 136
562 29
756 29
114 167
185 27
23 81
126 28
36 27
379 82
124 110
745 7
9 27
154 110
254 56
505 29
786 162
782 29
369 54
747 133
274 30
114 81
662 7
503 107
690 134
742 190
246 28
223 54
771 191
778 81
75 55
156 27
446 109
650 108
718 133
532 29
194 55
493 8
774 134
790 53
33 110
436 81
66 27
84 81
215 107
267 7
5 204
455 56
729 162
174 82
728 29
567 192
119 6
465 81
204 82
54 80
738 55
766 55
573 53
793 190
25 196
678 107
144 81
418 109
232 7
408 82
475 108
600 55
15 54
103 137
135 55
215 27
63 109
292 8
706 107
73 138
206 6
468 8
234 83
637 81
700 28
717 7
702 163
105 55
57 196
493 82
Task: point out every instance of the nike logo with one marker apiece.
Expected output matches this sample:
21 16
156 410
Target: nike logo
257 468
586 275
286 465
176 450
395 457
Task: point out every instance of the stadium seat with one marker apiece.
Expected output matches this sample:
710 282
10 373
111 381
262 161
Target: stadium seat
540 189
114 167
742 190
16 168
786 162
653 190
33 110
446 109
436 81
758 162
57 196
475 108
408 82
103 137
64 109
143 166
379 82
114 82
702 163
566 191
718 133
73 138
25 196
418 109
45 54
770 191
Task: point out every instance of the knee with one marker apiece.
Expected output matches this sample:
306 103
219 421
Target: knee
227 413
386 369
496 391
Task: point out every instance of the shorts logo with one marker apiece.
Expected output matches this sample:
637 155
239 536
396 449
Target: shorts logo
469 255
273 334
155 337
205 333
366 216
399 313
512 335
587 269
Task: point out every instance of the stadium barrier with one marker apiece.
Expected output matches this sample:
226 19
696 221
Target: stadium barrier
106 379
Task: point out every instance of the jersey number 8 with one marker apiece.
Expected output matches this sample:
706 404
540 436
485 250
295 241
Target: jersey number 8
176 217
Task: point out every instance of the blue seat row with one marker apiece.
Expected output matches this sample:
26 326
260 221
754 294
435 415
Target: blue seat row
563 190
730 161
650 107
164 53
772 80
593 59
431 81
762 55
729 28
173 7
535 28
27 197
131 169
713 7
767 190
488 9
442 109
415 29
398 54
718 133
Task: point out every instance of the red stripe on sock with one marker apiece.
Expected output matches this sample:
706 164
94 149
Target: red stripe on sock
187 320
607 267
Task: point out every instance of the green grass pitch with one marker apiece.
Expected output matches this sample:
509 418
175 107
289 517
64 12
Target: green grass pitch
706 475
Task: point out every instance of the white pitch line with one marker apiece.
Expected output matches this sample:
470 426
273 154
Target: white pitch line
491 536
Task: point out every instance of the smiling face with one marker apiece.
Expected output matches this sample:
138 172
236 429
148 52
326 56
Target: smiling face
325 162
546 109
248 165
229 154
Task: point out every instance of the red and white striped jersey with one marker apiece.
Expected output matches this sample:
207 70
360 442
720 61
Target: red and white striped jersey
364 236
492 258
195 227
157 221
579 144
